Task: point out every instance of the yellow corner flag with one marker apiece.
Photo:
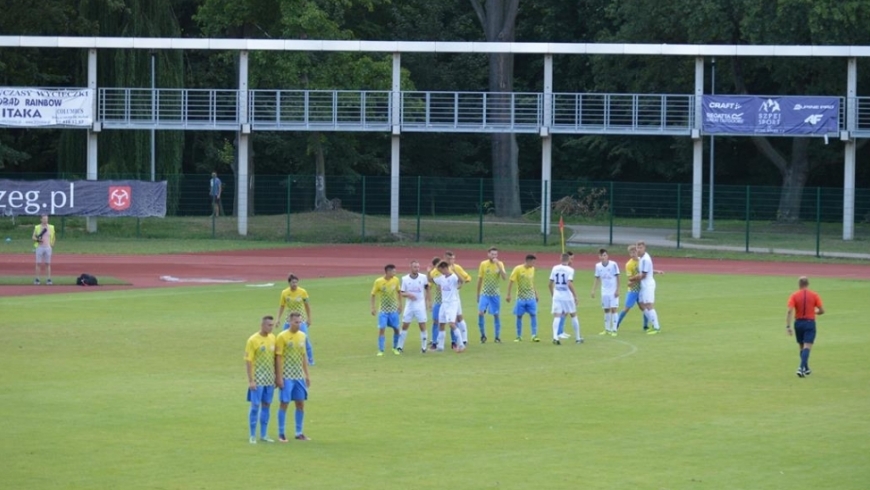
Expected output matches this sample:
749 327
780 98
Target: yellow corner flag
562 231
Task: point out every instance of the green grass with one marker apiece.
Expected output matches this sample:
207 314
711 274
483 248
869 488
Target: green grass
145 389
59 281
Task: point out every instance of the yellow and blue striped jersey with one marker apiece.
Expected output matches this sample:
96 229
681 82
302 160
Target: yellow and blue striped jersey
260 352
524 277
488 272
386 292
436 291
291 347
459 271
631 269
295 301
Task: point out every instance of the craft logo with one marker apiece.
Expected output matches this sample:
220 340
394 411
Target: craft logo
119 197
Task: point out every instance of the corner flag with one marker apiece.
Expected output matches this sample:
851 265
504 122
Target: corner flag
562 231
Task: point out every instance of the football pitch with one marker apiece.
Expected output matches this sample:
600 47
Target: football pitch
146 389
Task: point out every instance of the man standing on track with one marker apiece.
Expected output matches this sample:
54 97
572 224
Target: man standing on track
43 242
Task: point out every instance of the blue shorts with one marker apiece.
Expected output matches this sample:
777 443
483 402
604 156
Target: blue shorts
491 304
303 327
294 390
388 320
631 299
805 331
524 306
436 309
262 394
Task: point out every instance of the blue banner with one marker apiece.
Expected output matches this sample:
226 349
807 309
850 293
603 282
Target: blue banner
771 116
83 198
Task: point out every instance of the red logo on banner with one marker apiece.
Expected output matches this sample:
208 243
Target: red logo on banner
119 197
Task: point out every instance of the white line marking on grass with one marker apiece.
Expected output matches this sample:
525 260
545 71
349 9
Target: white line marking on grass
203 280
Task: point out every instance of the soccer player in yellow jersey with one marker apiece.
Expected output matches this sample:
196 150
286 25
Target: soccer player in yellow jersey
260 366
450 258
291 375
431 273
44 238
490 273
389 298
295 299
527 296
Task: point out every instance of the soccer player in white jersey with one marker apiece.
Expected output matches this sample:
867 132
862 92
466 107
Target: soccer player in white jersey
415 290
647 280
449 283
607 275
564 297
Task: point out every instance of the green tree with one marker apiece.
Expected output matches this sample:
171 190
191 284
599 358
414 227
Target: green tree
301 19
787 22
499 20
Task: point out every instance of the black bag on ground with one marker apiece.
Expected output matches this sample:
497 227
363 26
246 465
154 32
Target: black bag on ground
86 280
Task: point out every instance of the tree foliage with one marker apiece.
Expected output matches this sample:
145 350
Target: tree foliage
791 163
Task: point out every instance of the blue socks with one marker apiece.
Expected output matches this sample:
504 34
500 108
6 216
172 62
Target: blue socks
264 421
395 338
252 418
497 327
621 316
534 322
300 415
481 325
805 358
282 421
381 343
561 325
520 326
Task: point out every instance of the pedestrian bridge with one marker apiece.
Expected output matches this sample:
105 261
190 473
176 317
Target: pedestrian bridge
349 110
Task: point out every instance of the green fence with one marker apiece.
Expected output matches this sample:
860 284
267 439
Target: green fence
462 210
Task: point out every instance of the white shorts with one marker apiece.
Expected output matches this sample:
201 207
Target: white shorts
43 255
647 294
412 314
609 301
448 312
564 306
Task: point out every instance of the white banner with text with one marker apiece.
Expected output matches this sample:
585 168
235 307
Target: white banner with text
23 107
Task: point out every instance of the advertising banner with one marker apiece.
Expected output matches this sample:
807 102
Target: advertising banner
110 198
34 108
771 116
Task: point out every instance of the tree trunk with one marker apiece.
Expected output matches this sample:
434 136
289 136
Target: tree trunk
321 202
794 178
498 20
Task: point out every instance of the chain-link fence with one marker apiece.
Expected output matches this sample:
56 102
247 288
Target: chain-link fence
464 210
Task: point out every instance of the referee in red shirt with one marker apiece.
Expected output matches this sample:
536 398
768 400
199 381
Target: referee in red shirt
803 306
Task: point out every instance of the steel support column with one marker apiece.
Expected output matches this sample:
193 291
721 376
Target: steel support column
849 159
547 146
242 179
395 147
91 222
698 150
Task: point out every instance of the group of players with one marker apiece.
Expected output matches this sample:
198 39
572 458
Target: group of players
411 297
282 361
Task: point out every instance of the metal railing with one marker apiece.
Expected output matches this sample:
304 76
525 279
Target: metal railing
478 112
320 110
142 108
353 110
623 113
